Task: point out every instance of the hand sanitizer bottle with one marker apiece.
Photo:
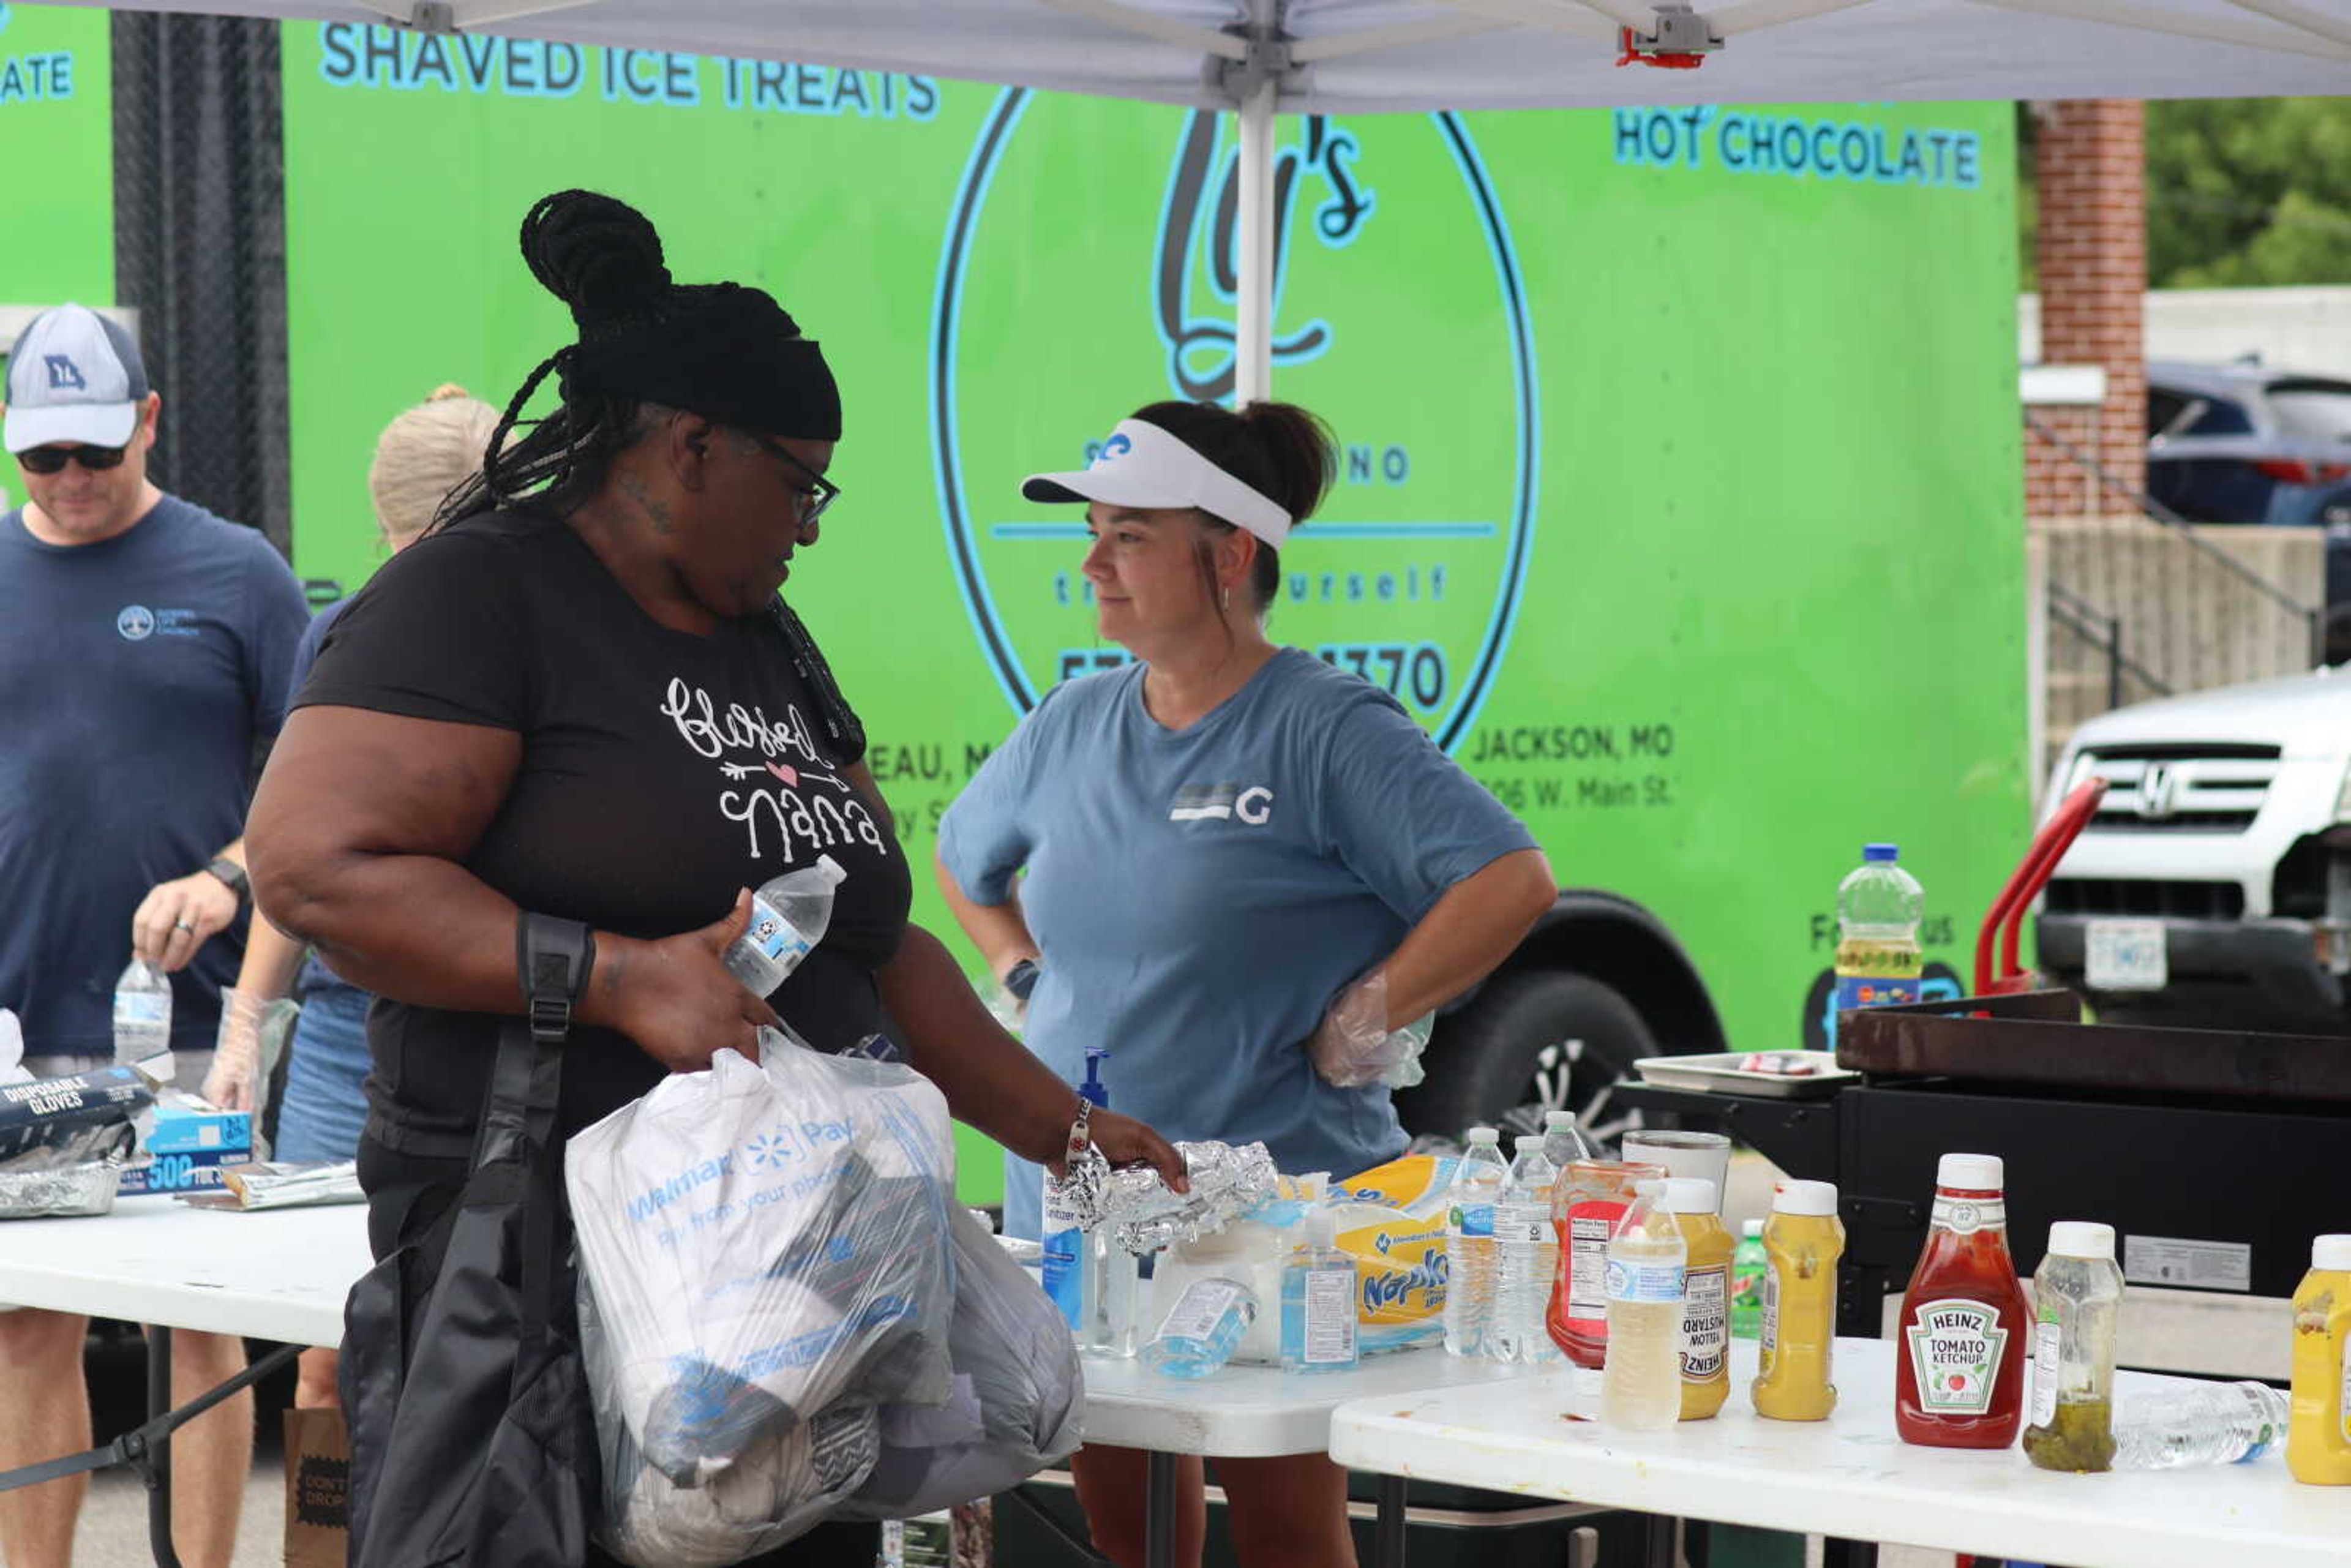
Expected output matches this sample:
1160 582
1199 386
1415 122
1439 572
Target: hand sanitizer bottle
1318 1300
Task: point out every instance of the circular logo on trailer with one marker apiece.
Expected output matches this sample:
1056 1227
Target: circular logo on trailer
1089 270
136 622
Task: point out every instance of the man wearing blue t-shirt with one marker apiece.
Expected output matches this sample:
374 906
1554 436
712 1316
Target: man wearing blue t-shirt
143 660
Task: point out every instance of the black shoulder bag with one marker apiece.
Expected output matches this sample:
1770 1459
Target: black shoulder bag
472 1438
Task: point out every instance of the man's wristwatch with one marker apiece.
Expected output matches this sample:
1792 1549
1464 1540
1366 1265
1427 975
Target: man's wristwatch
1021 978
230 875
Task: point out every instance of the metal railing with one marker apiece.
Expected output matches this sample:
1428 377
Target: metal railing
2104 633
2312 616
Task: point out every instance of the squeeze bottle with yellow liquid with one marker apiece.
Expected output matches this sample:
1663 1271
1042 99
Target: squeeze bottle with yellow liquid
1705 1296
1801 1243
2318 1434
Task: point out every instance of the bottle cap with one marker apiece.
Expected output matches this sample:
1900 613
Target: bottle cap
1753 1227
1971 1173
1877 852
2083 1238
1485 1135
1527 1146
1807 1200
1558 1121
833 875
1689 1194
2331 1253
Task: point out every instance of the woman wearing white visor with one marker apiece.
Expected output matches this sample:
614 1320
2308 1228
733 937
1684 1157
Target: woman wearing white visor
1243 869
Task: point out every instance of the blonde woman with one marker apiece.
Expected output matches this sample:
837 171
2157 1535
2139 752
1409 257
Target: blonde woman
421 455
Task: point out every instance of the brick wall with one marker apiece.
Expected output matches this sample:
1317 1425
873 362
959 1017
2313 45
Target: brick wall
2091 165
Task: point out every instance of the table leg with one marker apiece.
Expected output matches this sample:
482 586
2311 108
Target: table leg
158 1465
1387 1538
1664 1542
1835 1554
1159 1511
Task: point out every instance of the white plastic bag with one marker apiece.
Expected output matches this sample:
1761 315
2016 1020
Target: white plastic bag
786 1481
1019 1400
764 1242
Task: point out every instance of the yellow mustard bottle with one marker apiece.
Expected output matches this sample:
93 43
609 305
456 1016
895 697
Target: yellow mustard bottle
1706 1298
1801 1243
2318 1434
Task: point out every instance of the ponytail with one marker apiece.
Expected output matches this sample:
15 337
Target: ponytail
1278 449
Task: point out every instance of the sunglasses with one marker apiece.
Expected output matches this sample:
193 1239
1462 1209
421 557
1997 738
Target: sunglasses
53 459
817 495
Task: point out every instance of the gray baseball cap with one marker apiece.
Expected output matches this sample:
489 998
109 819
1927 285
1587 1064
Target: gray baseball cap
73 376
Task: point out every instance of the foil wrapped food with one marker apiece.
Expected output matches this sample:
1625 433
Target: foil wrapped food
282 1183
1145 1214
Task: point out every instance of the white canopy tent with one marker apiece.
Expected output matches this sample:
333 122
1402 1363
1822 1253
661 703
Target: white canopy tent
1259 58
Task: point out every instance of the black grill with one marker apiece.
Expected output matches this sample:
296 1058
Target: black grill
2186 751
2124 819
2147 900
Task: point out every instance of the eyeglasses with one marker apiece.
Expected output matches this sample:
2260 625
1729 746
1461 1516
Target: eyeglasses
817 495
53 459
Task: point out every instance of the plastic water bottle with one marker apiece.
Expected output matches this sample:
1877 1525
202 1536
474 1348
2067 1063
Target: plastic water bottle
1747 1267
1563 1141
1469 1242
1878 957
1201 1331
789 917
143 1012
1641 1386
2213 1424
1526 1254
1318 1301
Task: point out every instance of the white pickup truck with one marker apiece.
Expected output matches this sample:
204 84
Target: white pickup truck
2212 889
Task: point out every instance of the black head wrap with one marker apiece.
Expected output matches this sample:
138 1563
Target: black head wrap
724 351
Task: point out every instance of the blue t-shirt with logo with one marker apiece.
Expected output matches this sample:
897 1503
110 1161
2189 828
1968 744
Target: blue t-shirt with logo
137 676
1200 896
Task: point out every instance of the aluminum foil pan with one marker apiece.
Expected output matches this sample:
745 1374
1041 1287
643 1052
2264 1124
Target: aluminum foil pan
59 1192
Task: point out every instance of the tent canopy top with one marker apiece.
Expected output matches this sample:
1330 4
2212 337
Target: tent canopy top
1367 56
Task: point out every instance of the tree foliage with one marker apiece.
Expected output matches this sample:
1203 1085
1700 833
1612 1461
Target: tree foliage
2241 193
2248 193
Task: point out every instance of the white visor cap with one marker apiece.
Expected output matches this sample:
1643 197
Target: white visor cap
1145 467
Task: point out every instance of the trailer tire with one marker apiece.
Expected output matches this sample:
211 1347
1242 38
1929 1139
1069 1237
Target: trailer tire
1497 1061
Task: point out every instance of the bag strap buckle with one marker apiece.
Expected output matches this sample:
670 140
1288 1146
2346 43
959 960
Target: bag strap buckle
553 959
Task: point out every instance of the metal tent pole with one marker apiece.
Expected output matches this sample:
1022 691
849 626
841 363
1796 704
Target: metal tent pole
1253 318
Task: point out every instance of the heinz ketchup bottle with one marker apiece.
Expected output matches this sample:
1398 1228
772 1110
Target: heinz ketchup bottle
1966 1332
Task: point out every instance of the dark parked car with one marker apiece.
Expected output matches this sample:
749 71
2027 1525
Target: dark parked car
2243 442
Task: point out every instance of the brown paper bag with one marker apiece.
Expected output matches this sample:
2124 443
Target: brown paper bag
317 1488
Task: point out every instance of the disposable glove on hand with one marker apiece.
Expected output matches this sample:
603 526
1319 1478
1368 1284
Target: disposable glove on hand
1354 1045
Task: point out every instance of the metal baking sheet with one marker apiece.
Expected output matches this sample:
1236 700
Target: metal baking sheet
1720 1074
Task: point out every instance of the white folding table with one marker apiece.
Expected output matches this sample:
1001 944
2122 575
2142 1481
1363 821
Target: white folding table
283 1275
278 1274
1258 1412
1851 1478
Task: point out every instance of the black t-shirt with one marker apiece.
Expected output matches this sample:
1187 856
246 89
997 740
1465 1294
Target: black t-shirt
661 772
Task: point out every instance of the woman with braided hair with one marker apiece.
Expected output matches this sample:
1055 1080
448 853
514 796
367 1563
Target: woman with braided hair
578 695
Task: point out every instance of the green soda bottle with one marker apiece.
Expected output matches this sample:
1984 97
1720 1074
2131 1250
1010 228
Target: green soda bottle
1747 1269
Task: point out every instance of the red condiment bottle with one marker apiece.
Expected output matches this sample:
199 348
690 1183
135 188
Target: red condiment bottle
1591 1197
1966 1332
